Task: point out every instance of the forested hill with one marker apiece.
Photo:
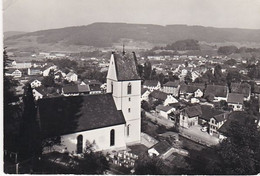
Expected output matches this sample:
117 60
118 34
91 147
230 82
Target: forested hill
106 34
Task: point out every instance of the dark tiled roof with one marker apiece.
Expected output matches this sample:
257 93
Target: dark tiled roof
235 98
66 115
191 88
241 88
257 89
76 89
193 111
143 90
159 95
42 90
126 67
162 147
216 90
150 83
94 87
209 112
163 108
172 84
220 117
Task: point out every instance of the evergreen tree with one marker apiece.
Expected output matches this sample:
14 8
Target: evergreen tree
147 70
12 110
30 141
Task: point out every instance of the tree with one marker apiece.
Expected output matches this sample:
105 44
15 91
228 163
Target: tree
92 162
146 165
140 70
233 76
218 74
147 70
227 50
188 78
30 141
12 110
238 154
231 62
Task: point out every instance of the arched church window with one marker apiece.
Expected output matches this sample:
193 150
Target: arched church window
111 87
129 88
128 130
112 137
79 144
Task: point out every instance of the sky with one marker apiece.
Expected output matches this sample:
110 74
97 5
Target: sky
33 15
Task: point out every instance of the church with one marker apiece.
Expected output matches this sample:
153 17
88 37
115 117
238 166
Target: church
109 121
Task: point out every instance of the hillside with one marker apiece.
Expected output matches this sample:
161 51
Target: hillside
109 34
12 33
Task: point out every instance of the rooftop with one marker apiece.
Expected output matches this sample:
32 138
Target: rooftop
235 98
66 115
126 66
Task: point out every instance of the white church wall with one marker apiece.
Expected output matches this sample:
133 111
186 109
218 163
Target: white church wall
134 131
100 136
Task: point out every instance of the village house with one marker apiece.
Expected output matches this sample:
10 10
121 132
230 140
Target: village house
75 90
172 87
39 92
152 85
162 149
59 74
34 71
241 88
165 98
217 92
14 73
145 94
21 65
189 116
36 82
192 90
215 123
111 121
71 76
46 69
235 101
94 86
164 111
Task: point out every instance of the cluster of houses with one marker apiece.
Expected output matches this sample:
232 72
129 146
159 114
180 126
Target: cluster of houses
34 74
196 104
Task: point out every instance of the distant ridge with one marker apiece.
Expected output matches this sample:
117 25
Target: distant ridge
106 34
12 33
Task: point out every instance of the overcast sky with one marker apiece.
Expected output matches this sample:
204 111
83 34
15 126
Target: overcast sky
32 15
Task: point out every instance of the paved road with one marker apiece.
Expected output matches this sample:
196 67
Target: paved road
160 120
194 133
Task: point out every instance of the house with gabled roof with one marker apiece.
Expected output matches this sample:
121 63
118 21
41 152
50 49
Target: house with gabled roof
14 73
46 69
111 121
71 76
152 85
75 90
35 82
162 149
165 98
241 88
145 94
192 90
217 91
235 101
189 116
164 111
172 87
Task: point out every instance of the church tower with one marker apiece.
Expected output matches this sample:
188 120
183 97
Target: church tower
125 85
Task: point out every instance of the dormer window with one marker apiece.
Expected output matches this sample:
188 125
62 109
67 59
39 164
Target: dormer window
129 88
